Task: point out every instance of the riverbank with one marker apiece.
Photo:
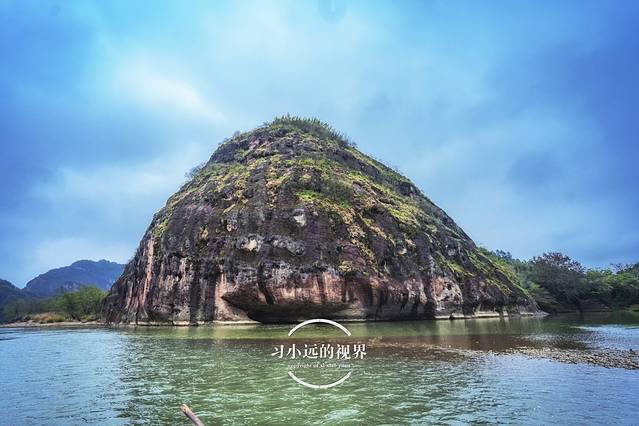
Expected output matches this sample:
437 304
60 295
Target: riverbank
455 317
481 315
61 324
478 316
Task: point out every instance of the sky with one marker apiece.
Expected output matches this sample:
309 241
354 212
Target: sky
520 119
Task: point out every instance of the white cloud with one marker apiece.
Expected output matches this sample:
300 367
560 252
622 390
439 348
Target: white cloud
54 253
153 87
100 212
415 86
117 184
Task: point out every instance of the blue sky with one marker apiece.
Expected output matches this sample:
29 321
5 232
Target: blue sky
520 119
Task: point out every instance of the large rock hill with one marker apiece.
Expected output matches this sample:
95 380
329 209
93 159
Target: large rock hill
290 221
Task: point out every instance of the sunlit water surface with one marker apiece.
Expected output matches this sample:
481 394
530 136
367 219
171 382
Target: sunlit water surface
450 372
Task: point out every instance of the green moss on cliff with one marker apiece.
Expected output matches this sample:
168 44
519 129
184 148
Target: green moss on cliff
483 257
323 201
384 171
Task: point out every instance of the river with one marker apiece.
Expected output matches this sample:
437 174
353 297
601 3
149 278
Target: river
446 372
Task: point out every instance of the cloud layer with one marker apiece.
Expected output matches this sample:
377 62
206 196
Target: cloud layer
519 119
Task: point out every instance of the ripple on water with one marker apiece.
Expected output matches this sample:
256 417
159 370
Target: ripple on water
139 377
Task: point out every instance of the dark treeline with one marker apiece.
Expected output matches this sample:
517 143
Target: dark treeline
561 284
80 305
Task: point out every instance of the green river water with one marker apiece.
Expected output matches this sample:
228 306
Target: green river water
428 372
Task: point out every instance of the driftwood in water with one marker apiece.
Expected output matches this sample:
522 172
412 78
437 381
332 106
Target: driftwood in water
191 415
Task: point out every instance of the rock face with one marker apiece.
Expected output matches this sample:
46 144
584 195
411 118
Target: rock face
290 221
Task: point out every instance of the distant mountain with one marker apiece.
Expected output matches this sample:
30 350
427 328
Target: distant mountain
8 292
69 278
